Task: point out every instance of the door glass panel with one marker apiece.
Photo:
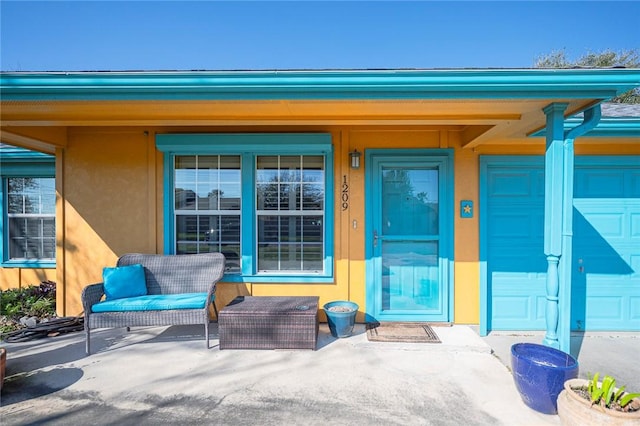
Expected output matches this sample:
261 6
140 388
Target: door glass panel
410 240
410 276
410 201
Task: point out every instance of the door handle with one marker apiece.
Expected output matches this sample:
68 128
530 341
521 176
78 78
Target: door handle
375 238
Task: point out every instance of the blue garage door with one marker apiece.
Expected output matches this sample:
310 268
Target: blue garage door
606 244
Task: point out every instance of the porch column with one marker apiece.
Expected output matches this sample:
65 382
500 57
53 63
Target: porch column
558 220
554 206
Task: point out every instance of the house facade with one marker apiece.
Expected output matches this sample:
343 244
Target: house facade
504 198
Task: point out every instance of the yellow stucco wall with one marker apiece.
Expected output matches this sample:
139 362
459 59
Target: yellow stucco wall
24 277
111 182
108 183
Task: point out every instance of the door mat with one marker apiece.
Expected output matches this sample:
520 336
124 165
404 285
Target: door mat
401 332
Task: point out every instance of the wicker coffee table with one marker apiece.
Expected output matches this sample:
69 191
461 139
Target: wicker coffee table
269 322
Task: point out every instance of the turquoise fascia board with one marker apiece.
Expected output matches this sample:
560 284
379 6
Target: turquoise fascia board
22 162
248 146
259 85
607 127
11 153
28 168
223 143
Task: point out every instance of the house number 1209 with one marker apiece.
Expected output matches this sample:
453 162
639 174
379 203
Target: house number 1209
345 193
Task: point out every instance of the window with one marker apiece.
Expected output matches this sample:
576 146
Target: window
290 213
207 206
31 216
262 200
27 204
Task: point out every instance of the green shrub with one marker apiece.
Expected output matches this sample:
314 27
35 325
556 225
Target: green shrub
34 301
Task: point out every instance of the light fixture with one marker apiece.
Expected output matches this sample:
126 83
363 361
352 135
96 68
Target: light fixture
355 159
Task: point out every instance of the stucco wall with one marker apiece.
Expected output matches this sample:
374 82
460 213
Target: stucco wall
24 277
108 183
111 180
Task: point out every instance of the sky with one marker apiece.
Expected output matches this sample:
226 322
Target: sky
267 35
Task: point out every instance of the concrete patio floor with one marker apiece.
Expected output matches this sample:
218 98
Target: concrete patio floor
612 353
165 375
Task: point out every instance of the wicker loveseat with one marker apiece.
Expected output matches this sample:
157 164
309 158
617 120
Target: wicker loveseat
179 289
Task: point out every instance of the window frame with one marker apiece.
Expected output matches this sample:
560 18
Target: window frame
249 147
22 165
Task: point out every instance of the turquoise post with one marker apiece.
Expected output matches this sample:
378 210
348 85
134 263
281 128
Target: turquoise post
553 216
558 220
565 272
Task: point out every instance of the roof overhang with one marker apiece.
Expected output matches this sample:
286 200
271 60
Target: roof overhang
485 104
316 85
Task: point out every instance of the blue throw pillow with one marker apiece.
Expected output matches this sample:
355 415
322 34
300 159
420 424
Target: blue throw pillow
124 281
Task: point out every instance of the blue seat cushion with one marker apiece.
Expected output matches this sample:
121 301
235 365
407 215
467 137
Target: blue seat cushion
153 302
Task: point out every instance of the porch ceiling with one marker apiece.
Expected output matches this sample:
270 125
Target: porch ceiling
482 120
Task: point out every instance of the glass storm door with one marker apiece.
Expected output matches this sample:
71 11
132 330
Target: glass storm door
409 238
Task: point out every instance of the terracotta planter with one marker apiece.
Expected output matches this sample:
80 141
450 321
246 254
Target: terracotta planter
577 411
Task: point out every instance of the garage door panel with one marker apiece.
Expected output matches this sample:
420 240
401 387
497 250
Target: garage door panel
513 226
605 244
520 309
604 307
512 307
510 183
634 308
592 183
606 247
635 225
608 225
634 262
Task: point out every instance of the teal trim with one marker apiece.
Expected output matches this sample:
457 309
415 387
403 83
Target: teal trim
364 84
444 159
23 155
44 264
329 215
169 204
20 162
27 169
238 143
590 121
248 146
607 127
248 234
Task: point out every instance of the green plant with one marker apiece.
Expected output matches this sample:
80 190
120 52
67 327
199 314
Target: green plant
605 393
34 301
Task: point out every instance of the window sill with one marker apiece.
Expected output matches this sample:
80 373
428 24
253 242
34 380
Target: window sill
44 264
280 279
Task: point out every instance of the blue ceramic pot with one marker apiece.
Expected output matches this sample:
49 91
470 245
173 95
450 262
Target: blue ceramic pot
341 316
539 373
